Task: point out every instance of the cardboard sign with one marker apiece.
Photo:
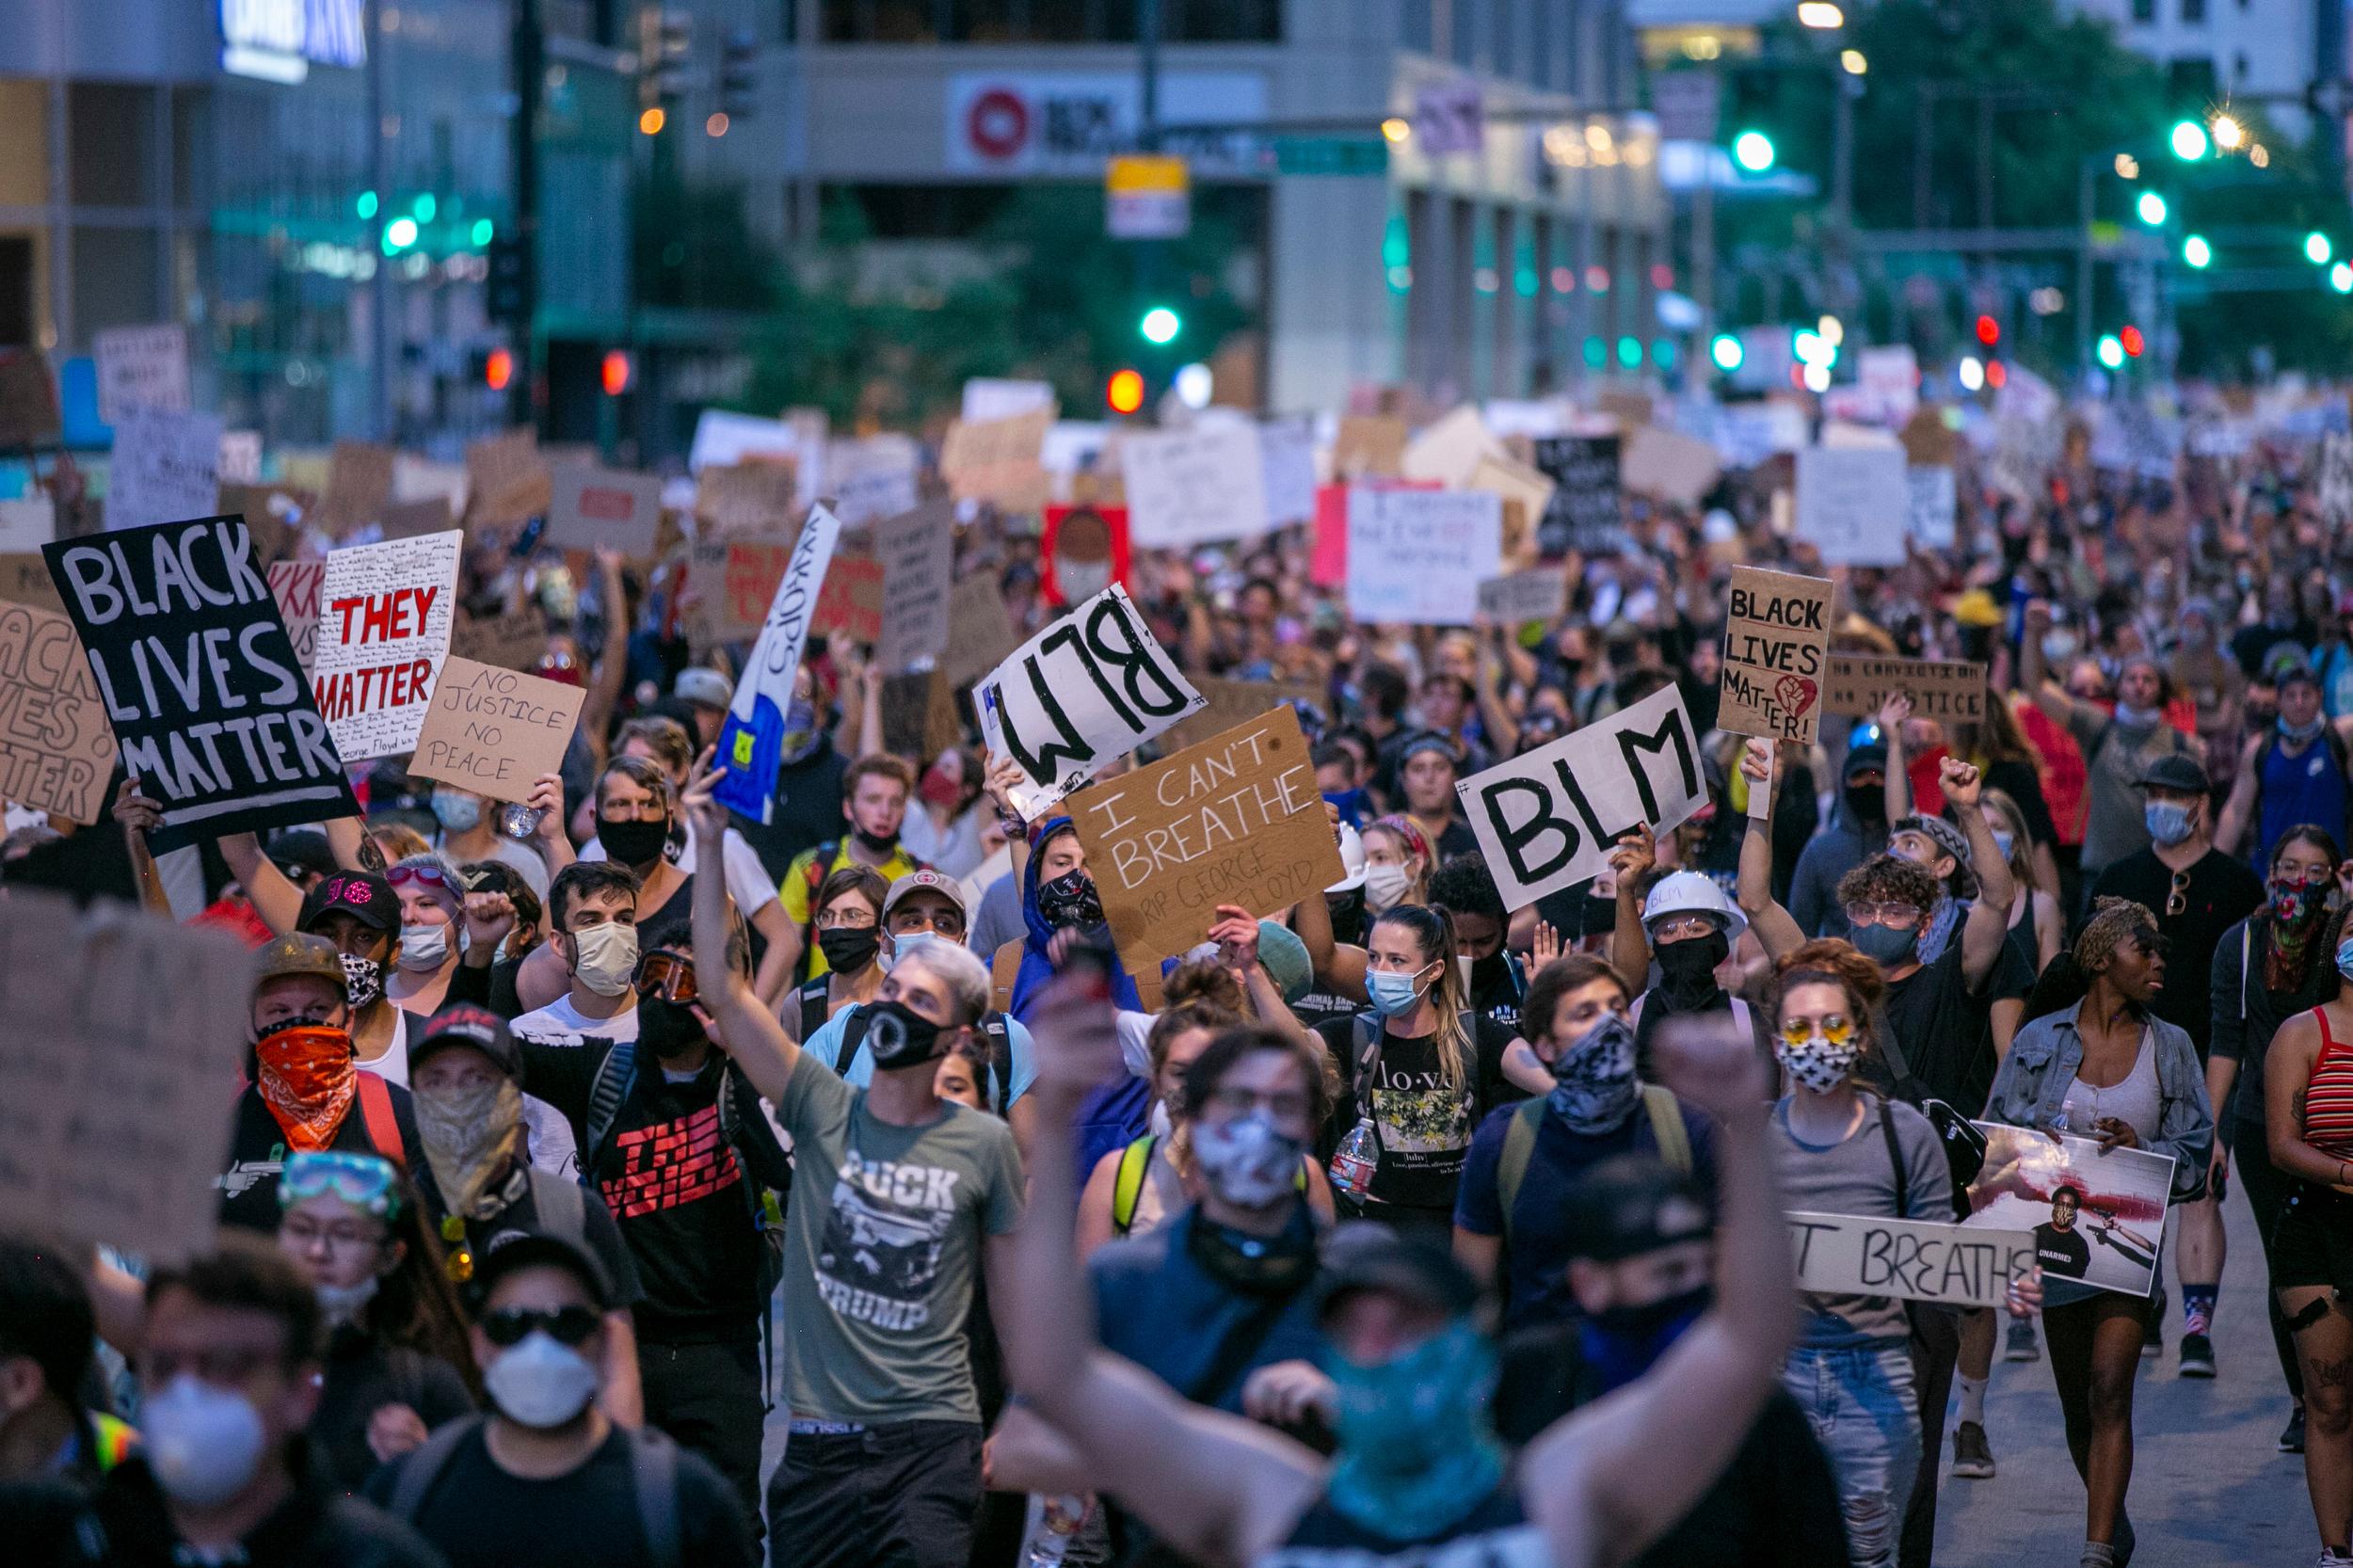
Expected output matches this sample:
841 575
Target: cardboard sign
1286 466
385 612
25 580
268 511
996 460
1228 703
494 732
512 641
1088 689
141 367
918 553
207 701
1854 504
734 581
851 603
603 508
980 630
359 487
1540 593
28 524
745 498
409 520
1915 1260
165 468
872 478
56 749
125 1028
1948 692
1450 450
1368 446
1235 820
1776 646
1935 512
1548 820
1927 441
1416 557
1528 490
506 481
28 399
2104 1233
1188 487
296 585
751 741
1667 465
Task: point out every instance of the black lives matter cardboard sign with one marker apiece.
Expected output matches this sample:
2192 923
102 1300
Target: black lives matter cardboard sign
200 682
1776 654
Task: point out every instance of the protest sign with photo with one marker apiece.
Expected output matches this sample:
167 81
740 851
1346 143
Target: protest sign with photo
1200 486
916 549
165 468
141 367
25 580
1082 550
208 704
493 730
507 481
1235 820
1540 593
1548 819
1915 1260
123 1028
514 640
980 630
2096 1216
1854 504
851 602
56 749
1416 557
751 741
1368 446
1947 690
295 586
1667 464
1228 703
1935 506
384 625
743 499
591 507
996 460
1776 648
359 487
1286 462
1091 686
28 524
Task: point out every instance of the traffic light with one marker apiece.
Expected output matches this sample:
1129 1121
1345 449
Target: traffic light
1125 394
503 296
2196 251
1725 350
2150 208
616 372
1159 325
1753 151
2317 249
498 369
399 235
2341 277
1989 331
666 39
2111 351
2130 338
739 73
2188 140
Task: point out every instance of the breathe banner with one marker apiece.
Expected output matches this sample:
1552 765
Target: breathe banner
1548 820
1915 1260
1776 645
208 704
385 613
1088 689
57 750
751 743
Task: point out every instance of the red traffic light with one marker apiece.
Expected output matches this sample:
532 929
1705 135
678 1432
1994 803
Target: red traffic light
616 372
1125 392
498 371
2132 340
1989 331
1996 374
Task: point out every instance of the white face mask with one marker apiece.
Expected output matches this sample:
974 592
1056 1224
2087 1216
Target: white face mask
343 1304
607 958
202 1443
540 1382
1383 887
424 947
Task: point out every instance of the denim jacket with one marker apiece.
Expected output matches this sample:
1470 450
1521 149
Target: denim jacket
2032 1086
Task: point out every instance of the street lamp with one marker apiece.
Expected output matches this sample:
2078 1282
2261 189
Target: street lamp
2228 133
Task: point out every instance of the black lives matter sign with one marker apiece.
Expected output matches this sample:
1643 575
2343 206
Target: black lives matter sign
208 702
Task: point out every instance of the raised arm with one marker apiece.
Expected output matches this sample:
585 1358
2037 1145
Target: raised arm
1775 931
1629 943
1607 1480
139 816
747 1032
1987 926
1892 714
2240 808
278 901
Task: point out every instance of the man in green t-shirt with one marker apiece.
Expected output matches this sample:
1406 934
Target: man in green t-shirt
900 1200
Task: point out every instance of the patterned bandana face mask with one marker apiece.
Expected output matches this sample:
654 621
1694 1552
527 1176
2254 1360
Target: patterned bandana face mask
1818 1064
1415 1452
1594 1088
307 1077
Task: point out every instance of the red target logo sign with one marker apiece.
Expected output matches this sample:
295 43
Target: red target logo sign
997 124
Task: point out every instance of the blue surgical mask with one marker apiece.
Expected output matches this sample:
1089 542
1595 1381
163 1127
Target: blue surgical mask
2345 958
2004 842
457 813
2168 821
1393 995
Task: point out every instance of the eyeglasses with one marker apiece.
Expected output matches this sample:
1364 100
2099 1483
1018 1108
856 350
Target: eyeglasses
1897 916
363 1180
1672 929
2177 897
2311 876
844 919
1834 1027
511 1325
667 975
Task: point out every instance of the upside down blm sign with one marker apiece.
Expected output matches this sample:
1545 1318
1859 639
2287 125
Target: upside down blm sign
208 703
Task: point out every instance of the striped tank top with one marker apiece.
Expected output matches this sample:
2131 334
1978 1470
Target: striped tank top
2328 1095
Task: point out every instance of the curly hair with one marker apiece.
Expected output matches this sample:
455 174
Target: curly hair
1890 878
1831 961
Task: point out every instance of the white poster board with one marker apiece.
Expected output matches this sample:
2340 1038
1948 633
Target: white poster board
1416 557
1854 504
1287 458
165 468
1935 505
1915 1260
723 439
1200 486
385 613
141 367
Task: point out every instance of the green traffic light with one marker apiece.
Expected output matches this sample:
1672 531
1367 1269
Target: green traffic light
2317 249
2152 208
482 229
2196 251
1753 151
1726 351
424 207
2111 351
399 235
1160 324
2189 140
367 204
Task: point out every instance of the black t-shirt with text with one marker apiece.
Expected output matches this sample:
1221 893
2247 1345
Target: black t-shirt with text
1422 1125
2064 1253
2220 893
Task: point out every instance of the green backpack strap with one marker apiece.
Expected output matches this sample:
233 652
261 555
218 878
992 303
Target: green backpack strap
1519 1143
1127 1185
1666 1127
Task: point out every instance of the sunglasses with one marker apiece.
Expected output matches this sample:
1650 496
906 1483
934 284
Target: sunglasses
430 875
363 1180
1835 1028
565 1325
666 975
2177 896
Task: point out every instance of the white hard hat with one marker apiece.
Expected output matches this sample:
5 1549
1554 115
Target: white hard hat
1691 893
1352 859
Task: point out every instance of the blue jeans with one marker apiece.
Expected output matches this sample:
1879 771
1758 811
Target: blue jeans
1861 1405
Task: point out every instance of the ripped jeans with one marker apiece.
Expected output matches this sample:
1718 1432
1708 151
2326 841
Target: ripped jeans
1861 1406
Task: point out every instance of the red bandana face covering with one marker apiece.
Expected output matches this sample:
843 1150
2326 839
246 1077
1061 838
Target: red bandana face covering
307 1079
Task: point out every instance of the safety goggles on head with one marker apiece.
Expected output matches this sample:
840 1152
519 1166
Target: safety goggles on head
667 975
365 1181
511 1325
1834 1027
1892 913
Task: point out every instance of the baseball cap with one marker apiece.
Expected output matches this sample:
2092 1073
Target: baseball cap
463 1023
521 1249
1285 958
704 687
1365 1255
364 895
2175 771
1870 754
930 882
1631 1203
302 853
300 953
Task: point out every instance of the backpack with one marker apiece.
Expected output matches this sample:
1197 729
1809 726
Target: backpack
994 1028
1668 1129
1128 1183
653 1465
376 1115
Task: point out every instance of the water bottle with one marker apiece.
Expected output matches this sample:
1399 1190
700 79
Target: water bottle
1052 1522
1352 1162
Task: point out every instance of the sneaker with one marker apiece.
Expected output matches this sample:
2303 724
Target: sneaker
2197 1356
2332 1558
2292 1435
1972 1459
2022 1345
2153 1333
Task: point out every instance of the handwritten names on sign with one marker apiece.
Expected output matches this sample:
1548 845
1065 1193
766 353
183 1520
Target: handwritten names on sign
1416 557
141 367
385 612
1776 647
165 468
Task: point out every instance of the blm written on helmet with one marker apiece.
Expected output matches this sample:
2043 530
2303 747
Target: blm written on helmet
1680 894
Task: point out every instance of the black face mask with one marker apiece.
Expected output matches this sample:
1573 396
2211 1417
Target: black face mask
1070 899
1600 915
1347 916
1867 801
875 843
1256 1265
632 843
901 1037
1686 969
1491 971
1621 1343
668 1029
849 947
